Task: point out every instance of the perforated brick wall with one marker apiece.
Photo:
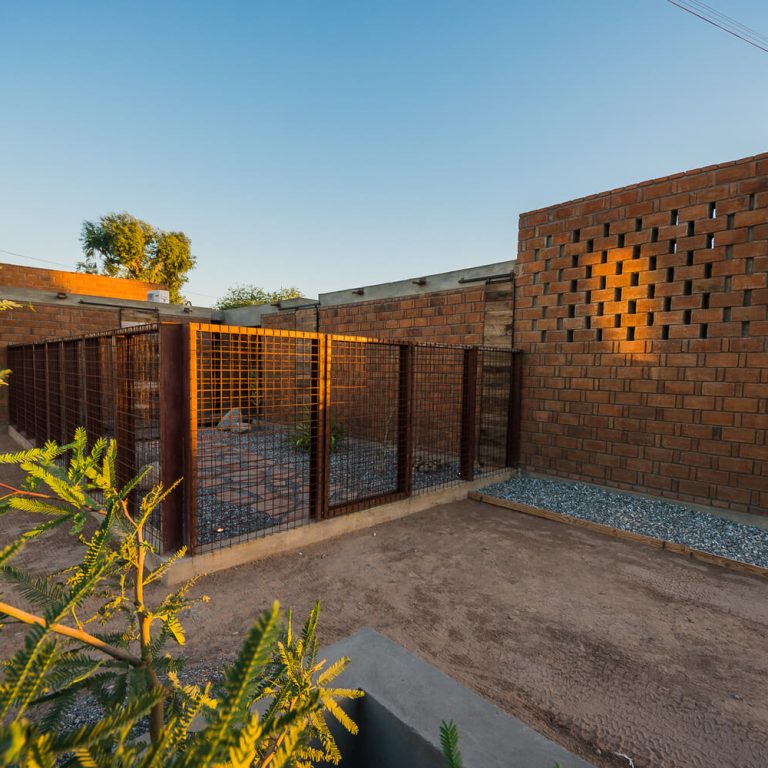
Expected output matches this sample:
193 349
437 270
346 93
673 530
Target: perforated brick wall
643 315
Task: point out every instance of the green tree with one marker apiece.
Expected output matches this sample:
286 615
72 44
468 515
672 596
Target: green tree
249 295
120 245
97 629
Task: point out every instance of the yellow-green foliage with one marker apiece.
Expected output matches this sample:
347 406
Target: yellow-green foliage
269 711
6 304
120 245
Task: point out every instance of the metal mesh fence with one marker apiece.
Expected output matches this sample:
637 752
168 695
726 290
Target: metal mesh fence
271 429
291 427
107 383
365 422
253 433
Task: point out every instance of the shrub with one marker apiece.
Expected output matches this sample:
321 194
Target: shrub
268 711
301 439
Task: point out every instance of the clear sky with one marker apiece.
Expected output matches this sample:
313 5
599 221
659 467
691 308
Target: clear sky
335 143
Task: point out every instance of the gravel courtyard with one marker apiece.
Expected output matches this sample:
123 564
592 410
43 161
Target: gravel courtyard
603 645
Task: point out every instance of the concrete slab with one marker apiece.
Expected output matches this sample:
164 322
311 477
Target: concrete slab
415 697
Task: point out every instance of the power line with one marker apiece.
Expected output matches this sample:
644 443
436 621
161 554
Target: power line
749 31
69 266
32 258
723 22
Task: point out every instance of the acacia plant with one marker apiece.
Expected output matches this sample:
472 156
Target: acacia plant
6 304
98 632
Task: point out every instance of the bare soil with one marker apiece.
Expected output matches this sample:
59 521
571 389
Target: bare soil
602 645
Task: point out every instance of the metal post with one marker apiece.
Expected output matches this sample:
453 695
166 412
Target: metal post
48 434
173 416
469 415
63 436
82 385
320 433
189 418
94 421
405 421
515 410
125 416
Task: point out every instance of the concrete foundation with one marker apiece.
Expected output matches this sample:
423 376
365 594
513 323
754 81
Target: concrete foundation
276 543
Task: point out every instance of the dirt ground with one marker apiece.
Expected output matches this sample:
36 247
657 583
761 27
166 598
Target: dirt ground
602 645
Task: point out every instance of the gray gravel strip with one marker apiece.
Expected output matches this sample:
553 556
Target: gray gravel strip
661 519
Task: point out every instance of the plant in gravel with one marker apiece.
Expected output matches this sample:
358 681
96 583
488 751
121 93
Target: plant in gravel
96 631
301 439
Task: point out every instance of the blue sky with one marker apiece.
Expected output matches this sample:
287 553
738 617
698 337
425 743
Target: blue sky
334 144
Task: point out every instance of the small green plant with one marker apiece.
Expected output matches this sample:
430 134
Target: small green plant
449 741
301 439
97 629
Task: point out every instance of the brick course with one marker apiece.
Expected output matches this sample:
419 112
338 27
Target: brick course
45 321
33 278
451 317
643 313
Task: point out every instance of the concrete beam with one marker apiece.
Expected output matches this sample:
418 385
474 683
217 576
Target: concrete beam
166 311
416 286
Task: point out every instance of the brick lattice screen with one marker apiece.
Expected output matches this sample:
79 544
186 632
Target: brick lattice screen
643 315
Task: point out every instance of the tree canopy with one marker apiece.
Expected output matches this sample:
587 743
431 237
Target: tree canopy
248 295
120 245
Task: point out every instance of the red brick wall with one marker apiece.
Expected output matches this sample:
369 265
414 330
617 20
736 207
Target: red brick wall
643 313
45 321
12 275
453 317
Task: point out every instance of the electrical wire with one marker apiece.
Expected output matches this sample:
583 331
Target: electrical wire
749 31
723 22
69 267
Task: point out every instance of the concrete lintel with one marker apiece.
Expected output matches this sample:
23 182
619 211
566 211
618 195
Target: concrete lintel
445 281
314 533
248 317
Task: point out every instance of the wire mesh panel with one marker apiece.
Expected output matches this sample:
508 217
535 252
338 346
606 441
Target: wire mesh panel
437 401
106 383
136 387
271 429
365 423
255 393
494 393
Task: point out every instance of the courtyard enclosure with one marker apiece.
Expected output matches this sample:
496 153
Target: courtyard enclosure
272 429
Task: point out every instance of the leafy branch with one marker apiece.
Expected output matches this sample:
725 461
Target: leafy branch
128 671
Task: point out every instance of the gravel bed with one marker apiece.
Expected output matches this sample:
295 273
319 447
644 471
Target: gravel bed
359 468
661 519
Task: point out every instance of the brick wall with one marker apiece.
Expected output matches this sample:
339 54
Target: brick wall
452 317
45 321
643 315
12 275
